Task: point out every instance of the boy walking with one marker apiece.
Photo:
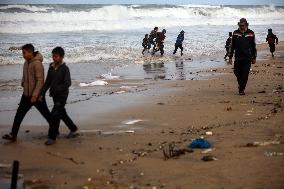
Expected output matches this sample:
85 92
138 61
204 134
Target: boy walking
58 82
32 83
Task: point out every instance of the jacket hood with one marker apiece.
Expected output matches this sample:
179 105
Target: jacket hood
38 57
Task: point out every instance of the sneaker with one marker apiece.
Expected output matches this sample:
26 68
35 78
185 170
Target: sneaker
72 134
49 142
9 137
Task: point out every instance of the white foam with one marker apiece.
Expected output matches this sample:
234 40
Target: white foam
119 17
109 76
95 83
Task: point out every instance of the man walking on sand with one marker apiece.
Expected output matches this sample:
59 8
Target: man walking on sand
32 82
244 48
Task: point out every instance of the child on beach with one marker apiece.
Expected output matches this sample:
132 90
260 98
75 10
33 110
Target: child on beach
178 43
271 39
160 42
32 83
145 44
58 82
228 45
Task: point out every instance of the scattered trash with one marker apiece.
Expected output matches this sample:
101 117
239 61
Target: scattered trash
2 165
160 103
174 152
209 133
262 92
256 144
270 154
229 109
62 157
120 92
129 131
199 143
131 122
209 158
127 87
27 131
207 150
95 83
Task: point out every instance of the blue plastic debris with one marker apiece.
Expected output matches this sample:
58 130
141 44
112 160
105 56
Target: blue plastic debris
200 143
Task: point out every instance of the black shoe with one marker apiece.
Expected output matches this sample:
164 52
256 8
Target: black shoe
181 54
242 93
49 142
10 137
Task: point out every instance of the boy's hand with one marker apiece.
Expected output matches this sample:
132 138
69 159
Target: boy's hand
253 61
40 98
230 61
34 99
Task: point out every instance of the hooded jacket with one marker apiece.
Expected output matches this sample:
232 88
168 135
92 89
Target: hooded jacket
33 76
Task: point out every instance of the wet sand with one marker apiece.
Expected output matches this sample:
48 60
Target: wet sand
171 112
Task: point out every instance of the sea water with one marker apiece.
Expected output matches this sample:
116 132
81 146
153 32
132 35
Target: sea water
106 39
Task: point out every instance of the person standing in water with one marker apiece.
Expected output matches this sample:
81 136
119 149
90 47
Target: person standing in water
58 81
271 39
32 83
145 44
152 37
228 45
244 49
178 43
160 42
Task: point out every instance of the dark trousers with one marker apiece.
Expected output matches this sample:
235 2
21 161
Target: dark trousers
241 71
24 106
227 52
178 46
59 113
272 47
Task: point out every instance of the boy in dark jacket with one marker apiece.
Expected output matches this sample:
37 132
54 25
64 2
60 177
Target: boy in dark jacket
271 39
178 43
160 42
228 45
145 43
58 82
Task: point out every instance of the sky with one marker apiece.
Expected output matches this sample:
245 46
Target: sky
207 2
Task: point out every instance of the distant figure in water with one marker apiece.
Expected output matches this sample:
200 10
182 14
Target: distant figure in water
145 44
228 45
58 81
244 48
271 39
152 37
178 43
160 42
32 83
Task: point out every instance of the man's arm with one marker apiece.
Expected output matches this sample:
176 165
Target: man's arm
232 50
46 84
276 38
39 79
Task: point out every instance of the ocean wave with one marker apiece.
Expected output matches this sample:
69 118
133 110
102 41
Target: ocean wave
25 8
118 17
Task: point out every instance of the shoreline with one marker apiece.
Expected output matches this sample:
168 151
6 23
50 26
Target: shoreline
174 111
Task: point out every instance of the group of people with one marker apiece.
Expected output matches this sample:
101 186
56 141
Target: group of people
157 38
57 81
241 44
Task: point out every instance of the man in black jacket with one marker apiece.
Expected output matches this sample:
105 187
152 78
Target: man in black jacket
58 82
244 48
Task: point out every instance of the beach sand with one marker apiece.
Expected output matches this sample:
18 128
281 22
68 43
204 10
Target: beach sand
168 112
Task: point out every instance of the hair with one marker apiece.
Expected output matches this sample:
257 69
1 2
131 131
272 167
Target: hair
28 47
59 51
146 35
230 33
155 28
